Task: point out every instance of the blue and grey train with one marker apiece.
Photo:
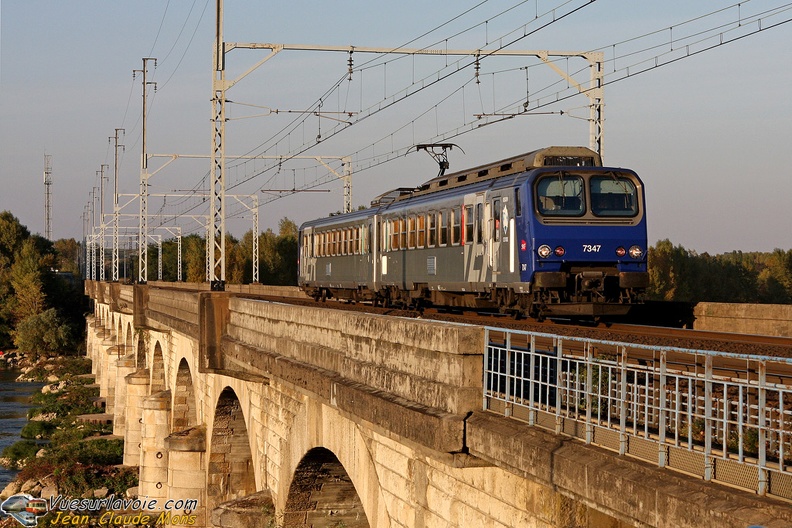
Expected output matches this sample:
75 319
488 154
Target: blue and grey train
548 233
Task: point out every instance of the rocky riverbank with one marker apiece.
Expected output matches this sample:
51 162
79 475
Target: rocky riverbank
62 452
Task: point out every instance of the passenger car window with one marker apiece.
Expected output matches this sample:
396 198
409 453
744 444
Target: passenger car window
443 228
456 225
431 224
468 224
517 202
560 195
479 223
613 196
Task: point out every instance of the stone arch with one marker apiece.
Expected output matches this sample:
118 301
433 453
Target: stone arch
322 494
185 413
231 474
157 370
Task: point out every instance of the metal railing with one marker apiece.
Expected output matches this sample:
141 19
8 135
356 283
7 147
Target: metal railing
721 416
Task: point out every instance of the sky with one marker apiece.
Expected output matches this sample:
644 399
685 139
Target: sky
696 102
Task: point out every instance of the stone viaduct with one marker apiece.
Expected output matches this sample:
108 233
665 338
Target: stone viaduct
243 412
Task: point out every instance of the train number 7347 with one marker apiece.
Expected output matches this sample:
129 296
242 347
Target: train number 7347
591 248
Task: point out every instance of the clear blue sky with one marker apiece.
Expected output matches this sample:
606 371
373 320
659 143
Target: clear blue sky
709 134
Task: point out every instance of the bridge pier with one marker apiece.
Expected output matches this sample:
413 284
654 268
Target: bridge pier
112 355
186 474
153 455
124 367
137 387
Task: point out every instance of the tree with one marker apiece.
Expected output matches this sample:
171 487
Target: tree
287 248
667 267
26 279
287 228
235 261
68 255
775 278
43 334
194 248
12 234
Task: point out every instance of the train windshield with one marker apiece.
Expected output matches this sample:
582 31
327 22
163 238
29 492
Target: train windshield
613 196
561 195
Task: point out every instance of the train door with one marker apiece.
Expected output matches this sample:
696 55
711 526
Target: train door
308 255
373 252
501 227
476 266
494 227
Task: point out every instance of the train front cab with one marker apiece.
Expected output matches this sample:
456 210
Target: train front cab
587 250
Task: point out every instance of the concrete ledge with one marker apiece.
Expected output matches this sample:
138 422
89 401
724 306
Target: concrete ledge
243 359
431 428
626 489
759 319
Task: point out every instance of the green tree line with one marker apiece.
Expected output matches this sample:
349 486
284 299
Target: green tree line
42 305
277 258
679 274
676 273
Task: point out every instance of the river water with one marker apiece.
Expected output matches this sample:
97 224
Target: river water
14 404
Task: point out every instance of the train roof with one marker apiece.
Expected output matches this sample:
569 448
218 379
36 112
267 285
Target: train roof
544 157
556 156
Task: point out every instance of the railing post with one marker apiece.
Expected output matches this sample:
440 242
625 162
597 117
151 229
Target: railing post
487 370
531 386
507 409
623 401
559 420
661 450
589 388
742 410
708 421
763 477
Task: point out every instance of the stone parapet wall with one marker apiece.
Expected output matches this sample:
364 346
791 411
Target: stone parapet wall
433 364
176 308
759 319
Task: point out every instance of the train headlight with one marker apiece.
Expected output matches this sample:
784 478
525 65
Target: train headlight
559 251
544 251
636 252
620 251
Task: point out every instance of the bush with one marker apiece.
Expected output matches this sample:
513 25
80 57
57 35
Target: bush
42 334
93 452
76 479
34 430
20 452
77 431
77 400
64 368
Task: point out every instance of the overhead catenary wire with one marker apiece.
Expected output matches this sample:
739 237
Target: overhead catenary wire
472 126
627 71
375 109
